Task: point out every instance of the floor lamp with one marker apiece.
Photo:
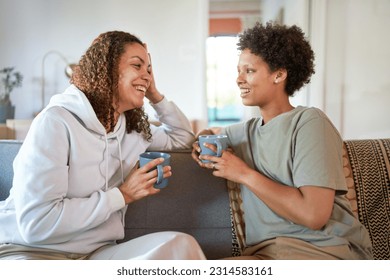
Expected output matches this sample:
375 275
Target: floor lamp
68 71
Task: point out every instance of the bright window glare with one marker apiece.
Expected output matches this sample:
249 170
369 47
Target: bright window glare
223 96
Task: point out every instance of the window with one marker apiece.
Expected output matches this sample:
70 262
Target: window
223 96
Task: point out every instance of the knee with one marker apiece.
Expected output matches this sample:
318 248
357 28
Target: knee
187 243
181 237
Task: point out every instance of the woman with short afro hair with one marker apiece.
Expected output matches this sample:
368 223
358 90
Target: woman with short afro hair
281 47
287 162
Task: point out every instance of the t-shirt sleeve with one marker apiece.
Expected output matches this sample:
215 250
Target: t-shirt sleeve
317 155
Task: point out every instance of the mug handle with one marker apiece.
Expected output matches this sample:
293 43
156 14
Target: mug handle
219 147
160 174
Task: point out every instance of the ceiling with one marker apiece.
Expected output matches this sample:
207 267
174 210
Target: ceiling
234 8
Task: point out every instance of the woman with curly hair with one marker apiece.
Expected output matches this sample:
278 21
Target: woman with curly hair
288 162
77 168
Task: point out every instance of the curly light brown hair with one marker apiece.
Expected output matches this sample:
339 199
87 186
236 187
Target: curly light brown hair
281 47
96 75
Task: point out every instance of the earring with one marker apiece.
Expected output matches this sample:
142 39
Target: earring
276 81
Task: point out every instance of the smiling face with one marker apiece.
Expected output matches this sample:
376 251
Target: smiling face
255 80
133 77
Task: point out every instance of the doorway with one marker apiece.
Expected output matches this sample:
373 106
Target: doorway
227 18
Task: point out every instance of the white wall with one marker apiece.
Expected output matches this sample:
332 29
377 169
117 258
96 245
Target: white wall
366 84
351 40
356 77
174 30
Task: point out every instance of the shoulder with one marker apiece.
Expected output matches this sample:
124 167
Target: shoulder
53 112
315 120
49 115
55 120
304 115
307 113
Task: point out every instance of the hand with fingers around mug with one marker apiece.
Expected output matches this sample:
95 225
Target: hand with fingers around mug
141 180
227 165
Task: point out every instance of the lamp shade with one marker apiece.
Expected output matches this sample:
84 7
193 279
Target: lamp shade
68 71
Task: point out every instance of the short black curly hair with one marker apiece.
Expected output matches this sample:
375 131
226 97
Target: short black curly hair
281 47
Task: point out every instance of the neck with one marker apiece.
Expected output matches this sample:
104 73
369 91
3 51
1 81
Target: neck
274 111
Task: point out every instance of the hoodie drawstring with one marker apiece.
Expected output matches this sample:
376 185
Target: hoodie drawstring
107 157
120 158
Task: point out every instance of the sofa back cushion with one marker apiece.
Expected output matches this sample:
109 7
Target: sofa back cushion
194 202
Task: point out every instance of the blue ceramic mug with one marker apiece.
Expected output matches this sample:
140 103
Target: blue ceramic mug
146 157
219 140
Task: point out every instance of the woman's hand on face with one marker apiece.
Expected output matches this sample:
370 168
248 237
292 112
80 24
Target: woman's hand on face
152 92
140 181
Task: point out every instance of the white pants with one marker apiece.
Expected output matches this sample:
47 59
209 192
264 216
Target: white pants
167 245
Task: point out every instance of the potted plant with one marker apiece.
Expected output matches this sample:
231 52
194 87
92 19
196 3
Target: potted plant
9 79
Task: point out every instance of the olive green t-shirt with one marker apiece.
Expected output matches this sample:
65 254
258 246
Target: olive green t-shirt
297 148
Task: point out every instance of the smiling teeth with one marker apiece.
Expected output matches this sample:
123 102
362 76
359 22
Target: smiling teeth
244 90
141 88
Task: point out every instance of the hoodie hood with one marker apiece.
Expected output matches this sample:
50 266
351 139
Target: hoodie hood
75 101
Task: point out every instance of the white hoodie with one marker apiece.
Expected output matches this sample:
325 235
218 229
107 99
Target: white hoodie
65 192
